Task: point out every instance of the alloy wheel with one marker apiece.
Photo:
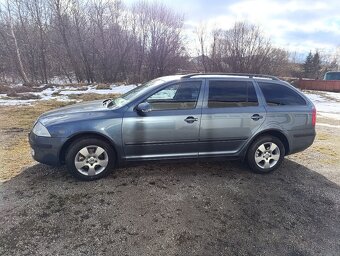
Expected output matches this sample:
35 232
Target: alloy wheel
267 155
91 160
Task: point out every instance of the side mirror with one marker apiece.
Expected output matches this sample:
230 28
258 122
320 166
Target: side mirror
143 108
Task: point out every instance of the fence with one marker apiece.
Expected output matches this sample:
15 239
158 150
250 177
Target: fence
320 85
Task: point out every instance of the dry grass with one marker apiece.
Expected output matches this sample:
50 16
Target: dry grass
325 120
6 89
14 127
103 87
324 151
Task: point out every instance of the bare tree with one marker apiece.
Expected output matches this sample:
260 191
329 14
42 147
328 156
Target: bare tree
12 42
201 32
158 31
243 48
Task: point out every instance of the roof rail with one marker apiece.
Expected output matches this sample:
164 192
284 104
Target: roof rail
232 74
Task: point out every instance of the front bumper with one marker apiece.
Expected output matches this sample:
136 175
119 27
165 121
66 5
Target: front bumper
46 150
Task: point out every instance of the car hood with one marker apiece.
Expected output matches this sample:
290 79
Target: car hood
80 111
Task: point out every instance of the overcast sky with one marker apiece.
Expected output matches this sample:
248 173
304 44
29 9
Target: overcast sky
297 25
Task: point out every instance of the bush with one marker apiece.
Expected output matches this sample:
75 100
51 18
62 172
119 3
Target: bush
5 89
12 94
31 84
29 96
26 96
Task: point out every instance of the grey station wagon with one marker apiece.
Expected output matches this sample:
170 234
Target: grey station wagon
255 118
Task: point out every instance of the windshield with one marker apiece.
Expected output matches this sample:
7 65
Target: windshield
134 93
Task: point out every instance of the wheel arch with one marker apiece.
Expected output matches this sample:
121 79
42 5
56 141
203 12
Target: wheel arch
66 145
273 132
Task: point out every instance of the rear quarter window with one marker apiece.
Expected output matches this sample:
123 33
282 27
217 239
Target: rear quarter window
280 95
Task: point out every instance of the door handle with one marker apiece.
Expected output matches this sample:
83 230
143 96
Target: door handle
190 119
256 117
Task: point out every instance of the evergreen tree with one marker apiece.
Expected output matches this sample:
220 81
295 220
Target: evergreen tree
308 66
312 66
316 66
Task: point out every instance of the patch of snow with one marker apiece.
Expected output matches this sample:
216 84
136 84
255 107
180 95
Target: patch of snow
121 89
11 102
60 93
327 103
47 93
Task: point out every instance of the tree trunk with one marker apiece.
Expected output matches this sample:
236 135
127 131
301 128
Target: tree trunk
17 50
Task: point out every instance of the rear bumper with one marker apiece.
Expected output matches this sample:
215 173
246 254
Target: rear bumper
301 140
46 150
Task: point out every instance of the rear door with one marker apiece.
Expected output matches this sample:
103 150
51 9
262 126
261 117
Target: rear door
170 129
231 114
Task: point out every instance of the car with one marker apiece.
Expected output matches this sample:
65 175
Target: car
332 75
258 119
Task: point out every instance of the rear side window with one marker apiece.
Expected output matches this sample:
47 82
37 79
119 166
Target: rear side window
280 95
224 94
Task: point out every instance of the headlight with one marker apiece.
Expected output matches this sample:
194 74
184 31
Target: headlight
40 130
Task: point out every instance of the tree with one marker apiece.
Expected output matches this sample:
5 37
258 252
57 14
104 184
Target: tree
201 32
316 66
242 49
308 66
11 41
312 65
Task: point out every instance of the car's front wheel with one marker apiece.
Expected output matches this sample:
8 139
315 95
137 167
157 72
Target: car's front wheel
265 154
90 159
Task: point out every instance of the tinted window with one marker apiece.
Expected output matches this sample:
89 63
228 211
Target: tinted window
332 76
176 96
224 94
280 95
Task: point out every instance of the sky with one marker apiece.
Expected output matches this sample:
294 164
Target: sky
296 25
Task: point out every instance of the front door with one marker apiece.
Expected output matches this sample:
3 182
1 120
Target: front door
231 114
170 129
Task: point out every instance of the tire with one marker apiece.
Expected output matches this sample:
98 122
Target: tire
90 159
265 154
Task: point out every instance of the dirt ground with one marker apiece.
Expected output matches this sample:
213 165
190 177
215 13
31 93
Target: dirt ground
206 208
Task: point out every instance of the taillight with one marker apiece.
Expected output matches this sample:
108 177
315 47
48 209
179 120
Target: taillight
314 116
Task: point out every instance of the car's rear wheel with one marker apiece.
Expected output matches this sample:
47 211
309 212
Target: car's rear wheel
90 158
265 154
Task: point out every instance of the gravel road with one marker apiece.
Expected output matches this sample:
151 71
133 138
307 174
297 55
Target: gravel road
214 208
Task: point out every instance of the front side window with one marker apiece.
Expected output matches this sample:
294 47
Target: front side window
224 94
135 93
280 95
176 96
